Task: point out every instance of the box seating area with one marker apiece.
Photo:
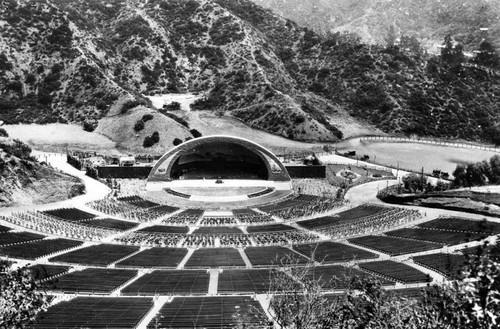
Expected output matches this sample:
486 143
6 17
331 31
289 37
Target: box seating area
177 193
395 271
244 281
331 252
41 272
301 206
268 256
261 193
361 220
90 280
165 229
36 249
151 239
130 210
463 225
215 257
448 265
212 221
70 214
99 255
11 238
208 313
162 282
137 201
394 246
155 257
188 216
439 236
110 223
52 225
94 312
249 216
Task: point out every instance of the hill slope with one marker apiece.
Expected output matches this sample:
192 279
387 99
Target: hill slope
86 60
24 181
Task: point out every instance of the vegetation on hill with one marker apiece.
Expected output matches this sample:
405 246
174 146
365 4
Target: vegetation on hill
251 64
25 181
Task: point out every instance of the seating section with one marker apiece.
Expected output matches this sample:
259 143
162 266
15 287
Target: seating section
270 228
332 252
215 257
360 220
169 282
209 313
463 225
110 223
10 238
165 229
188 216
439 236
337 277
218 230
137 201
94 312
36 249
394 246
41 272
395 271
244 281
261 193
155 257
301 206
213 221
99 255
151 239
70 214
271 256
138 210
448 265
176 193
91 280
249 216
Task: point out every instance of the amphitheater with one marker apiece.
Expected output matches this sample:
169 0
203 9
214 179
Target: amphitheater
197 245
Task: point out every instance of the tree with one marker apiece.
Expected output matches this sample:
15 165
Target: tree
460 173
20 297
487 55
414 182
390 38
452 54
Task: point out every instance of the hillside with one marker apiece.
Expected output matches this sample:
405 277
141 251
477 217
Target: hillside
92 62
428 20
25 181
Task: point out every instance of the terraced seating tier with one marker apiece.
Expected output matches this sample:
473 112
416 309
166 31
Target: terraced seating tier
39 248
244 281
439 236
397 271
330 252
215 257
218 230
265 256
9 238
448 265
95 312
111 223
44 271
394 246
188 216
99 255
91 280
270 228
138 201
70 214
155 257
344 216
463 225
165 229
169 283
209 312
337 277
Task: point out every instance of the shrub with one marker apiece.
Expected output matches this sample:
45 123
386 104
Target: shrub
147 117
88 126
174 106
195 133
3 133
155 137
177 141
131 104
148 142
139 125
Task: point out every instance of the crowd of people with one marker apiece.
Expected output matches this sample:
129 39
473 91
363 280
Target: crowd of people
123 209
52 225
151 239
248 216
371 224
189 216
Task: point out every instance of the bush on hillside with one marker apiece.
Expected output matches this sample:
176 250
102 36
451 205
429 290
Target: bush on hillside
88 126
174 106
139 125
195 133
151 140
3 133
177 141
